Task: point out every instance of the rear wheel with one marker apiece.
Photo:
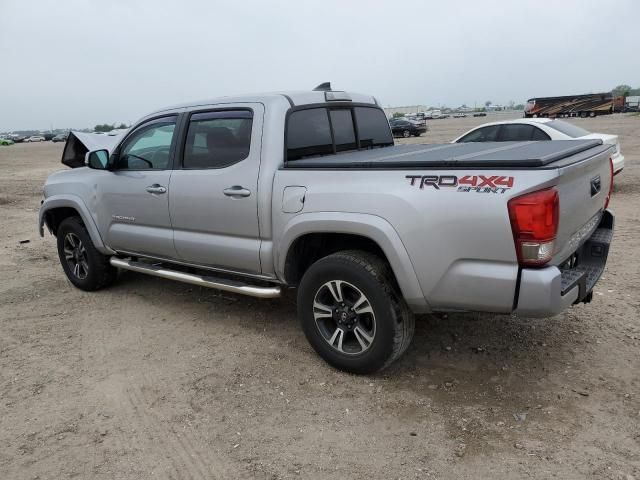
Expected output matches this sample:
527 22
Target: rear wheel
352 314
406 133
84 266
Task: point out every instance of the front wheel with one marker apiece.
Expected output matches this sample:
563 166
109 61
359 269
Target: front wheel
84 266
352 314
406 133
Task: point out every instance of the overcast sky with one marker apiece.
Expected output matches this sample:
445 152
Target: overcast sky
75 63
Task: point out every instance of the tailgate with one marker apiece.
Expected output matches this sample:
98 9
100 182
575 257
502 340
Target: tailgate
583 188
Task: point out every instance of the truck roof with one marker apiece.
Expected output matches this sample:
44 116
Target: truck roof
294 98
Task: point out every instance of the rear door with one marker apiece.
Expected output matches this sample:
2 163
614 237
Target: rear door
213 193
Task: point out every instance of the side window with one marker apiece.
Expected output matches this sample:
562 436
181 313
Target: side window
308 134
217 139
538 134
516 132
343 132
148 147
373 128
485 134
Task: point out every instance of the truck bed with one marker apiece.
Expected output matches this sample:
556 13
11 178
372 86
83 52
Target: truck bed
512 155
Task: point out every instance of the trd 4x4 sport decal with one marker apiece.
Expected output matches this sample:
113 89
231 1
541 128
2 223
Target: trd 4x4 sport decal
468 183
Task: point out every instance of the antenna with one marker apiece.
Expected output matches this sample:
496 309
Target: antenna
323 87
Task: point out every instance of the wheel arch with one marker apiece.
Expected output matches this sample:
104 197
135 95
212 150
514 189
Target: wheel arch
308 237
59 207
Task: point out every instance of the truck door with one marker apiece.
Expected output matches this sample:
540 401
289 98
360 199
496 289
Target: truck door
213 195
132 208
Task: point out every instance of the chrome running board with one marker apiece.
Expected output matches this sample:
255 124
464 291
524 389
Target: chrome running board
201 280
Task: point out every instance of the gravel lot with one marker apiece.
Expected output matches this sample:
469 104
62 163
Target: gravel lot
157 379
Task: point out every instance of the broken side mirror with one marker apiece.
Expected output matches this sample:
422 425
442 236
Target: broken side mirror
97 159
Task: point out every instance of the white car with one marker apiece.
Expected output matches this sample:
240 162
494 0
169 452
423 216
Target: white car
528 129
34 138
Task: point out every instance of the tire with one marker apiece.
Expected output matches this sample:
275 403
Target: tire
375 332
84 266
406 133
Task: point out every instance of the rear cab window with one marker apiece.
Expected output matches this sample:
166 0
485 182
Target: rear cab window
329 129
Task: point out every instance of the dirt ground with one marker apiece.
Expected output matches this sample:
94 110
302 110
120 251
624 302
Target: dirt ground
157 379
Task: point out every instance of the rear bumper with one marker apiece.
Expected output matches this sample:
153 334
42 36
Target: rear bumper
548 291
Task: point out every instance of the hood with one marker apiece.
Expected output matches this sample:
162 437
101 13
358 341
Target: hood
79 143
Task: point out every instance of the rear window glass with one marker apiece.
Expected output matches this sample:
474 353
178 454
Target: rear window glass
308 134
343 132
373 127
327 130
567 128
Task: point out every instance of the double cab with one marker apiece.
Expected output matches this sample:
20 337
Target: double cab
306 190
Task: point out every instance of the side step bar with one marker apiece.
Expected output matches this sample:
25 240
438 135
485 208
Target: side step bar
203 281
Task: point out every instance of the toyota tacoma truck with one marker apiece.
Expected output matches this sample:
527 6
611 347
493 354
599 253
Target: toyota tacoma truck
306 190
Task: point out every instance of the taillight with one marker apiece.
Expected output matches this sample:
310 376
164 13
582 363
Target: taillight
606 202
534 223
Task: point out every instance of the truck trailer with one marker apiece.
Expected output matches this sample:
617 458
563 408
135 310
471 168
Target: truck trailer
588 105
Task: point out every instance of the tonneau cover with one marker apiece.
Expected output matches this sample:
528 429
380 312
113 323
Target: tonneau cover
472 154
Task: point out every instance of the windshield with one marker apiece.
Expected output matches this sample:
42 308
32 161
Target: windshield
567 128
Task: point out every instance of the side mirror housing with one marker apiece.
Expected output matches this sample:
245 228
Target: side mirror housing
97 159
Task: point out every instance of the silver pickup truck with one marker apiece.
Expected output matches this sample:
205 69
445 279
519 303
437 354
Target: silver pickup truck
259 193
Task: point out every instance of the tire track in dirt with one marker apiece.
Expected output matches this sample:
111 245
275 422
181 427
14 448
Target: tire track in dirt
209 463
182 453
179 458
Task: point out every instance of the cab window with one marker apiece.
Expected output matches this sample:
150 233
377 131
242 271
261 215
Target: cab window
217 139
148 147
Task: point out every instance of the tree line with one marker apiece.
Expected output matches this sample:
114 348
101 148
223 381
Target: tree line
105 127
625 91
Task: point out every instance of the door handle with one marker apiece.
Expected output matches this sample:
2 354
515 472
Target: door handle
155 188
236 191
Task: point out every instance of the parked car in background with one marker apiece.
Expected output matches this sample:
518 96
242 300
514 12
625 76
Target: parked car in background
402 127
6 141
35 138
459 115
480 114
62 137
413 118
48 136
528 129
632 104
17 138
